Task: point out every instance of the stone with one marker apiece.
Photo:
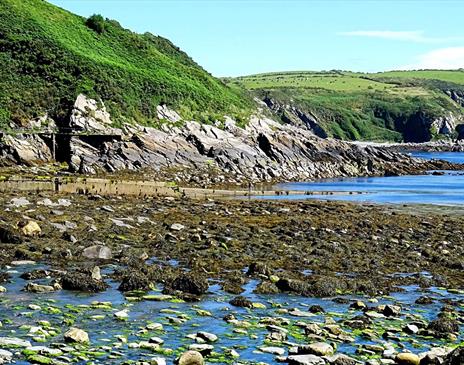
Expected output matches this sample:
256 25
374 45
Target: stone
443 327
203 349
31 229
154 327
156 340
455 357
305 360
158 361
96 273
359 305
19 202
42 350
2 289
97 252
76 335
317 348
241 301
37 288
13 342
341 359
177 227
406 358
411 328
123 314
188 283
5 356
391 310
273 350
164 113
23 263
208 337
190 358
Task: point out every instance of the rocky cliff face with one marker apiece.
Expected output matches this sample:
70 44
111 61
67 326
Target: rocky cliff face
292 115
417 127
263 151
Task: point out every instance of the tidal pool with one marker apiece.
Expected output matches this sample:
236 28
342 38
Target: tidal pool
63 309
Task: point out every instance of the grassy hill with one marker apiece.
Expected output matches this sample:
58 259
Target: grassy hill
380 106
48 56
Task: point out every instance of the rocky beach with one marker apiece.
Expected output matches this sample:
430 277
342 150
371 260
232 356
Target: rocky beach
94 279
154 212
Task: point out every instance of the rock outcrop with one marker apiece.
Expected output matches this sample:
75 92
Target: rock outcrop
88 115
23 149
262 151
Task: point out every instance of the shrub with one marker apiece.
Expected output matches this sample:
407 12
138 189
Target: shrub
96 22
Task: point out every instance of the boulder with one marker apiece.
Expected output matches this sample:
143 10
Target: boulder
190 358
407 358
5 356
443 326
241 301
82 281
189 283
97 252
317 348
13 342
31 228
305 360
455 357
37 288
76 335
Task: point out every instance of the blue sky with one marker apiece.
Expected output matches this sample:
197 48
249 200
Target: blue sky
240 37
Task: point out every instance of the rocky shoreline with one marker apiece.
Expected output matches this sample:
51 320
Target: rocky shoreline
199 154
258 261
437 146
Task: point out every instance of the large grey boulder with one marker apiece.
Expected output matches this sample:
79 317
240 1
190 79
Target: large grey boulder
97 252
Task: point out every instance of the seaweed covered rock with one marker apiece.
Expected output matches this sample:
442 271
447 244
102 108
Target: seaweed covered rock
258 268
291 285
266 287
134 280
455 357
9 236
190 283
82 280
241 302
443 326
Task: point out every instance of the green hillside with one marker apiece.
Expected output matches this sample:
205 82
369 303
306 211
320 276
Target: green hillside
381 106
48 56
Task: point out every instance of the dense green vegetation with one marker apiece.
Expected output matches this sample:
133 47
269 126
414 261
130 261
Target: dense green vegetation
48 56
382 106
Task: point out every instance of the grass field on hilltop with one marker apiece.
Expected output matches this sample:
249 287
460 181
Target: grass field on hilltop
349 105
452 76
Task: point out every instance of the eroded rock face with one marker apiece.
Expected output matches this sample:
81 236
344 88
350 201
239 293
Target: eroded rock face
23 149
446 125
262 151
88 115
265 150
